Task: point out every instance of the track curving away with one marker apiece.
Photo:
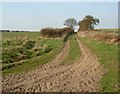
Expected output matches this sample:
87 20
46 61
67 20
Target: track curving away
81 76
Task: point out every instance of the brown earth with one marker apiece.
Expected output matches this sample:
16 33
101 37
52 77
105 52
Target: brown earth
81 76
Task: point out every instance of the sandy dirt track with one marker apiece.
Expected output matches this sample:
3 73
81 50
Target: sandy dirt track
81 76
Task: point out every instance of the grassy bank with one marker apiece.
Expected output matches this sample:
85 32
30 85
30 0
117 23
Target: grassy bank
33 63
44 55
74 51
108 55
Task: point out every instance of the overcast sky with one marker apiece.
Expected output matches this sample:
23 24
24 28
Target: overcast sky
37 15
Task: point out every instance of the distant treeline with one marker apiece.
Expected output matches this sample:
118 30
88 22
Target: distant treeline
55 32
12 31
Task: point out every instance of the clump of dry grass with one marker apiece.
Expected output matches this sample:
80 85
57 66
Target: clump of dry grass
107 37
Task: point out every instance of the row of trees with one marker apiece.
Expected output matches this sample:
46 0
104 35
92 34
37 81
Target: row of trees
87 23
12 31
4 30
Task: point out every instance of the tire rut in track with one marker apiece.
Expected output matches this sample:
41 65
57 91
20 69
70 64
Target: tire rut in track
10 81
82 75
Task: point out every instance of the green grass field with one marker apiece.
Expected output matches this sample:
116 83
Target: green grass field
12 35
31 63
108 55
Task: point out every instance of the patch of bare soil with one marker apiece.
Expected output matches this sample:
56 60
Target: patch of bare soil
81 76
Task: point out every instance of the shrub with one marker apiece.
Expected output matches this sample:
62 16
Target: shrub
28 44
55 32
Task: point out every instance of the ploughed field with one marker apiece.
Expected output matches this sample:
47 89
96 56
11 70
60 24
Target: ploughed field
31 63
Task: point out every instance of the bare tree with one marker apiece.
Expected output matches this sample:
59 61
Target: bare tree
71 22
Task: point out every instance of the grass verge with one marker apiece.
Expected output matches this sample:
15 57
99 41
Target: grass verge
74 51
108 55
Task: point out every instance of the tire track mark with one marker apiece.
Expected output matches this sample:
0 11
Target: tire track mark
80 76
